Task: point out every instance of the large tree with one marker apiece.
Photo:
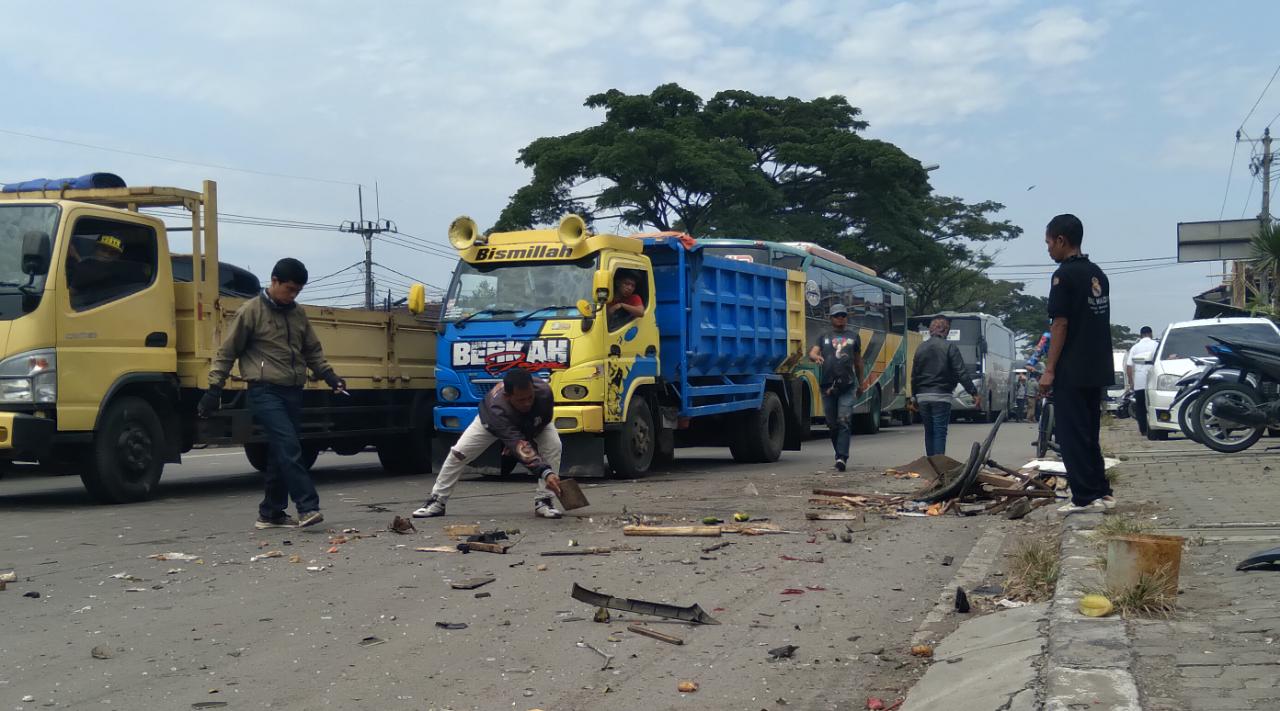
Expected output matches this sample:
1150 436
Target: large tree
771 168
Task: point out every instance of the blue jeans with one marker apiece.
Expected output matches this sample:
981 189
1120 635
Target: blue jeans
936 417
839 404
279 411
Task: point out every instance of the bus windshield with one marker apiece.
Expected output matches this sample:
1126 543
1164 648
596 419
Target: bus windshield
504 291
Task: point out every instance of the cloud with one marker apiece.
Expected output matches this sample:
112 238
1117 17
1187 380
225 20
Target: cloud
1060 36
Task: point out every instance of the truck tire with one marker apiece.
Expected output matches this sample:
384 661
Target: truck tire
127 456
664 452
347 447
761 433
869 423
631 448
806 415
256 453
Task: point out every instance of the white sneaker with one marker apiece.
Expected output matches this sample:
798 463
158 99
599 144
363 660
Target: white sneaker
433 506
542 508
1108 502
1095 506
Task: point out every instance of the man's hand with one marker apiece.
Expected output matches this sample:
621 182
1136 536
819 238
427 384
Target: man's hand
1046 384
977 401
553 483
817 359
209 402
337 384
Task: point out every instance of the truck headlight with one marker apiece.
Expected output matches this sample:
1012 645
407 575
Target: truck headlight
1168 382
573 392
449 393
30 377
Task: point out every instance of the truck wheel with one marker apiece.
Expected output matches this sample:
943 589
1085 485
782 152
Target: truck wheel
806 416
127 456
664 452
256 453
869 423
766 429
630 449
347 447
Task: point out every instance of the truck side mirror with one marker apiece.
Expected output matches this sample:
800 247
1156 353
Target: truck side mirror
602 285
35 254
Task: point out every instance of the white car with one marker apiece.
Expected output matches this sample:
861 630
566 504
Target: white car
1111 402
1172 361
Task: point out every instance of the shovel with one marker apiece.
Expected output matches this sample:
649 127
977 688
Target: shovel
571 495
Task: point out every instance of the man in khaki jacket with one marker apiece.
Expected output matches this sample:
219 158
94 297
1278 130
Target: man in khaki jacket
275 345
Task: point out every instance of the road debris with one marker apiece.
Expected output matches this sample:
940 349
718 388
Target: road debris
922 650
692 613
541 567
687 687
31 594
175 556
471 583
701 531
451 625
127 577
591 551
274 554
1011 604
804 559
295 558
209 705
1095 606
962 601
8 576
608 658
783 652
711 521
371 642
602 615
437 549
101 652
654 634
459 531
1262 560
482 595
571 496
716 546
741 517
402 526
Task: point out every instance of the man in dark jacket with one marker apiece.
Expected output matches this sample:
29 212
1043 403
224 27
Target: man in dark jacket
1080 364
520 414
275 345
935 372
839 352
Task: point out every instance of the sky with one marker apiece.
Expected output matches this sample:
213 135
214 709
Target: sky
1121 112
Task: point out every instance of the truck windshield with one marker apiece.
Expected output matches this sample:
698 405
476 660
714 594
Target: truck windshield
17 221
501 292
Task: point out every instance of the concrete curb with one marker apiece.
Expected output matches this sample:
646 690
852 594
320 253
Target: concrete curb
1090 660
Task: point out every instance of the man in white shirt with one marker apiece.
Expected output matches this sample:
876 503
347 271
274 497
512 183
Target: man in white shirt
1137 374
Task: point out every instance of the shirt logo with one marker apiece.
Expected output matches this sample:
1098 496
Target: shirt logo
1096 287
1055 281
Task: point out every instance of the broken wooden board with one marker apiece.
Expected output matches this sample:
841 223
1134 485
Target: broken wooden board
833 516
749 527
485 547
654 634
438 549
699 531
459 531
471 583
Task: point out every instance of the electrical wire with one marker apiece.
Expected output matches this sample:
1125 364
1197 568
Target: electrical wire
1234 147
174 160
1259 101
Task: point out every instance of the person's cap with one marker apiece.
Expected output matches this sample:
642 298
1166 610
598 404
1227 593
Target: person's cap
111 242
838 310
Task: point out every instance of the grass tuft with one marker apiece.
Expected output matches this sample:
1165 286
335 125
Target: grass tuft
1149 597
1034 570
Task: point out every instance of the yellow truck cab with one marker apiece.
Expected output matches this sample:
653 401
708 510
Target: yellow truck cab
103 353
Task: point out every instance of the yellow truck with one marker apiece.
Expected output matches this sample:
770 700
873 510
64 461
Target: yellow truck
101 366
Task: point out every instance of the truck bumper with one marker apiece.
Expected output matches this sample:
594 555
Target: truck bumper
569 419
25 434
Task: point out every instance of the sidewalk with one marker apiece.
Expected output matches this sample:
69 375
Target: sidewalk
1218 651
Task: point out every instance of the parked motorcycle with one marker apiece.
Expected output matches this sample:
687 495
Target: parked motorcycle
1229 404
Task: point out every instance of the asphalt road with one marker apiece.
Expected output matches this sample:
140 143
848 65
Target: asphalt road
276 634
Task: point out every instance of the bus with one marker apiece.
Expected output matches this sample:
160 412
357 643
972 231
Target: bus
987 346
877 308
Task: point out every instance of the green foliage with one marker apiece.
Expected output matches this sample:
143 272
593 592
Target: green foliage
786 169
1122 337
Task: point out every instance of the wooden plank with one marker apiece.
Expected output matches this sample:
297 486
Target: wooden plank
744 527
458 531
842 494
833 516
1027 493
438 549
471 583
703 531
653 634
999 480
488 547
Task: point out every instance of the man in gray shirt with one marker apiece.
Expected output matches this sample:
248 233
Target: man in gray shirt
935 372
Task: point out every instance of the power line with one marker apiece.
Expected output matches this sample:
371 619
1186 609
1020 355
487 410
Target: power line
175 160
330 276
1234 147
1101 261
415 279
1259 101
416 248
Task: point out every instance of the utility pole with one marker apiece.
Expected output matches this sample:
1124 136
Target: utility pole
1265 216
367 229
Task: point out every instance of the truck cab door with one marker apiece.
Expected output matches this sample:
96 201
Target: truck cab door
115 310
631 342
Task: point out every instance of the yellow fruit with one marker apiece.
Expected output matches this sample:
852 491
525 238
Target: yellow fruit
741 517
1095 606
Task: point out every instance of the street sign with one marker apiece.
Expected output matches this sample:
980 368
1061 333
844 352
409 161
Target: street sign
1216 240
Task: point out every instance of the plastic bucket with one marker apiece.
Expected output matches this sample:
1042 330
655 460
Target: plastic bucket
1131 557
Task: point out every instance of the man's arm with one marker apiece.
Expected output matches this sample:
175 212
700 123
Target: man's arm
815 354
916 371
513 440
858 365
1057 338
232 346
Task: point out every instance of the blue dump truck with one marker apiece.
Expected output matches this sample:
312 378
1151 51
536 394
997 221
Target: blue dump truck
707 358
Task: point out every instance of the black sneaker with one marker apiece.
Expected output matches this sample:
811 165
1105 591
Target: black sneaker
840 465
282 521
310 518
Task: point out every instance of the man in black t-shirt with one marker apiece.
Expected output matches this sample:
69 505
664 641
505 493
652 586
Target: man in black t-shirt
1079 366
839 352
